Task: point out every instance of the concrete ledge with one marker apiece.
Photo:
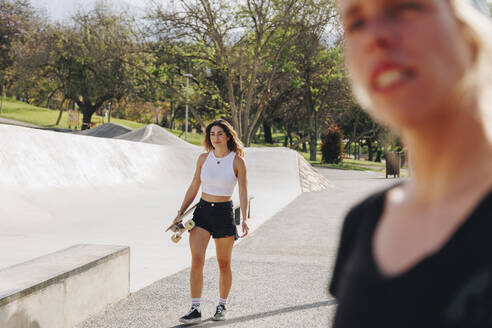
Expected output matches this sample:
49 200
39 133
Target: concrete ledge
63 288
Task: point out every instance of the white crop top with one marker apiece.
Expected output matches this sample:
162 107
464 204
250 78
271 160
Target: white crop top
217 175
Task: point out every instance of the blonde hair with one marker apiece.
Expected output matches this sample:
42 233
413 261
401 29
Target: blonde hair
233 144
479 28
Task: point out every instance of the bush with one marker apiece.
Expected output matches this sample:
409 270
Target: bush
331 147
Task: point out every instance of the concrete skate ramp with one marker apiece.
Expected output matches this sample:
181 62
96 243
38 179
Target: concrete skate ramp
154 134
108 130
59 189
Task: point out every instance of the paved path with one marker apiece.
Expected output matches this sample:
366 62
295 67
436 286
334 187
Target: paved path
280 272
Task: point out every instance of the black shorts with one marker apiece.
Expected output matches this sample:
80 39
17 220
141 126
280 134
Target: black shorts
216 218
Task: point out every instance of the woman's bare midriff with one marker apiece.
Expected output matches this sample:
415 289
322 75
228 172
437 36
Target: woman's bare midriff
214 198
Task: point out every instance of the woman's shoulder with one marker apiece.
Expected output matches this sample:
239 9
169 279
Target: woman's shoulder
202 157
370 207
357 221
239 160
373 200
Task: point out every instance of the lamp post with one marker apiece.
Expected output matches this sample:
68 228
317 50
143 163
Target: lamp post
186 116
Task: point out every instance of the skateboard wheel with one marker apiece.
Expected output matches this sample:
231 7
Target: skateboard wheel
175 238
189 224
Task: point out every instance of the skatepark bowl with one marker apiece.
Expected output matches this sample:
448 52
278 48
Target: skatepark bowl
77 195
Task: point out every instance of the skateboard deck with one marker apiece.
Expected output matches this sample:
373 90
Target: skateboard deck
178 227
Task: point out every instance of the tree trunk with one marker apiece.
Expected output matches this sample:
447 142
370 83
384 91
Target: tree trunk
245 110
61 111
312 146
378 155
309 104
87 116
253 127
254 131
194 113
358 149
49 101
3 97
172 109
268 133
303 141
109 112
369 150
235 113
355 139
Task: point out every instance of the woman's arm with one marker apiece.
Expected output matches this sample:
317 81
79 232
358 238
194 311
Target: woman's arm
242 180
194 186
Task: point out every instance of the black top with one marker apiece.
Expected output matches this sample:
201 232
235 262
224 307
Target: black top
450 288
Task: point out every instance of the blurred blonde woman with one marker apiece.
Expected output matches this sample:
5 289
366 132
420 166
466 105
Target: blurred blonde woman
218 170
418 254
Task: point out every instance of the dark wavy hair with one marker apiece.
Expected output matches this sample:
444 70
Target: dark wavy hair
233 144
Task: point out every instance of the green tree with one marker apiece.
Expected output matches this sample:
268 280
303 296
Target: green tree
235 40
95 60
17 22
317 66
173 60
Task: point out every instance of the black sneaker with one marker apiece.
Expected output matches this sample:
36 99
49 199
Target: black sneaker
193 316
220 313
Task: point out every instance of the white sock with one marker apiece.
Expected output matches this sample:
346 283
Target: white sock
195 302
223 301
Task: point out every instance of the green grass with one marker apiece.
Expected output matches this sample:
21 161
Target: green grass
347 164
193 137
277 138
343 166
350 164
366 163
307 157
258 145
20 111
130 124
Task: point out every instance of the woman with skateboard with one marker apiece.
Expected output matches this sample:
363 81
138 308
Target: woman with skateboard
217 172
418 253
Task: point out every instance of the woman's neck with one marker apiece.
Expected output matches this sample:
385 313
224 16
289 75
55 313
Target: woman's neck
450 157
221 151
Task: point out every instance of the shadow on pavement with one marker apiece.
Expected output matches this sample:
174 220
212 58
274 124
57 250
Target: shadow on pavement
210 323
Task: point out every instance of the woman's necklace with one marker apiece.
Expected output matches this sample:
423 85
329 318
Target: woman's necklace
218 159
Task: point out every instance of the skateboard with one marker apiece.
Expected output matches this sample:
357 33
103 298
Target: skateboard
178 227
